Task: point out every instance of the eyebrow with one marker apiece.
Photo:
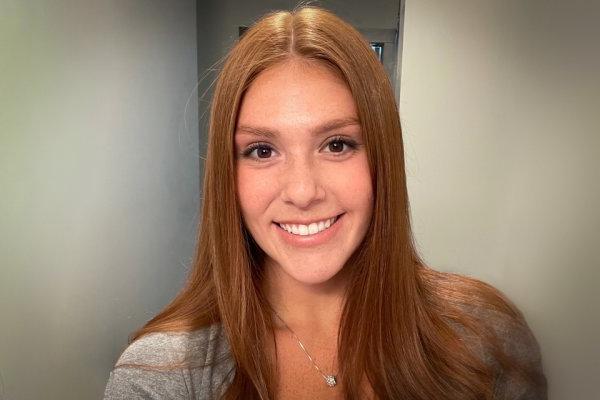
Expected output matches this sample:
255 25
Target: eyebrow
320 129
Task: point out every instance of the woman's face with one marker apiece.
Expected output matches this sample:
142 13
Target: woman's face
303 178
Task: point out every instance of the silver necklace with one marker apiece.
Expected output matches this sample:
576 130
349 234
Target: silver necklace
330 380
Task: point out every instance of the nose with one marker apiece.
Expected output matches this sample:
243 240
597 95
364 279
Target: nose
301 184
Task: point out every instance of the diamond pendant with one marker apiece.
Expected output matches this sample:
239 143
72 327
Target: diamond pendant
330 380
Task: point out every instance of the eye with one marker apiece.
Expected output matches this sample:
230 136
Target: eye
258 151
336 145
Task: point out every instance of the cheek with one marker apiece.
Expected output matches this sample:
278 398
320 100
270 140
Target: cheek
352 184
254 191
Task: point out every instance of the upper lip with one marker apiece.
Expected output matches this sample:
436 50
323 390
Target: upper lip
306 221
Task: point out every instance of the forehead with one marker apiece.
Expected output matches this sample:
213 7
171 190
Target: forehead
296 95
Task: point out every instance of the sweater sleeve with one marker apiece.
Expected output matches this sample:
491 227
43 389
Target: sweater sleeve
140 374
177 366
521 377
520 345
139 384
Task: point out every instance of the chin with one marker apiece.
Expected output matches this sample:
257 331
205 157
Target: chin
313 276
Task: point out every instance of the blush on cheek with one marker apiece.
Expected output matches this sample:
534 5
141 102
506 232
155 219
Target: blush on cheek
255 191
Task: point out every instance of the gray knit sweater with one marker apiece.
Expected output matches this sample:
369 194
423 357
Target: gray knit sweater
150 380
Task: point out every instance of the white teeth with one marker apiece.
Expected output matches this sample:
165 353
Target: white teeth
304 230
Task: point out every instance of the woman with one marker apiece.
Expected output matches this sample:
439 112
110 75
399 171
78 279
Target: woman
306 282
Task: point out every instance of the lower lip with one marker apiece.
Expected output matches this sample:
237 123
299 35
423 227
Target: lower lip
310 240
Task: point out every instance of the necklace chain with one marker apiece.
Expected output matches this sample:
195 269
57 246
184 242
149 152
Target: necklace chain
330 380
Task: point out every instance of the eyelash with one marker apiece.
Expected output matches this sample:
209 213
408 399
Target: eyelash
351 144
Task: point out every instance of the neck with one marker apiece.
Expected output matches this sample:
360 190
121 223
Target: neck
309 309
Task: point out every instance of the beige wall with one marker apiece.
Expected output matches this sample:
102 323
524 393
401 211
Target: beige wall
99 183
500 106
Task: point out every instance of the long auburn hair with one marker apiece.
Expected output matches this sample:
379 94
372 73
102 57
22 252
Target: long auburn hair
396 331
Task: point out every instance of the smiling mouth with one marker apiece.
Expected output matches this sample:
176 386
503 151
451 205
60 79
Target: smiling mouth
310 229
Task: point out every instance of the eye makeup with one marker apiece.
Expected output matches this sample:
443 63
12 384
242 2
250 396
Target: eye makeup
265 149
